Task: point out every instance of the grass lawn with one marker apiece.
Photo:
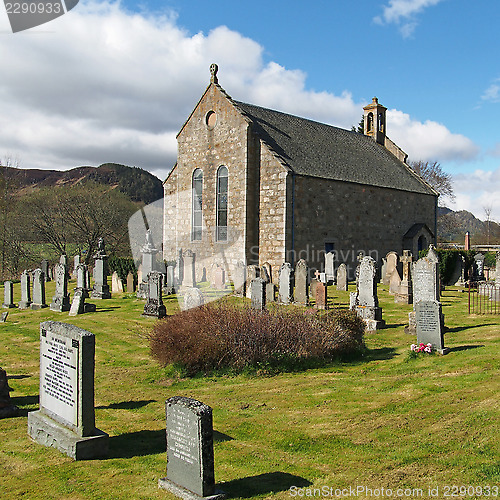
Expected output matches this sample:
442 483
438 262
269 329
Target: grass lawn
382 421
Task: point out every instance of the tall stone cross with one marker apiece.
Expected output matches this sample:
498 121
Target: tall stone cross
406 259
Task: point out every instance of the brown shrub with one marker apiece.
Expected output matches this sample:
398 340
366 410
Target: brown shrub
221 336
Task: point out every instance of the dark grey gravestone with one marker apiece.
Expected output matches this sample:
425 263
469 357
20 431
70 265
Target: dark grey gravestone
285 290
60 300
258 294
239 279
66 418
193 297
38 290
301 285
154 301
342 278
8 295
429 325
270 292
101 287
190 450
7 409
25 291
44 266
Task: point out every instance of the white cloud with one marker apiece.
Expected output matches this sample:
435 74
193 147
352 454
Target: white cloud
492 93
429 140
403 14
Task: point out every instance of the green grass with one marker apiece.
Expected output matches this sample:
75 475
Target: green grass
380 421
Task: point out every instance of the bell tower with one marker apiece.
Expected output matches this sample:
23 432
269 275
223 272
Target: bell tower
374 121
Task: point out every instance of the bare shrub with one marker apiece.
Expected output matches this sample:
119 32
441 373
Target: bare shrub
222 336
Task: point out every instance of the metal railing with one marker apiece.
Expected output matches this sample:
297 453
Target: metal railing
484 297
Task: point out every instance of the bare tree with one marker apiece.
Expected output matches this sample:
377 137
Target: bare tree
434 175
487 210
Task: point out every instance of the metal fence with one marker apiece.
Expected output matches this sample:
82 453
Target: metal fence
484 297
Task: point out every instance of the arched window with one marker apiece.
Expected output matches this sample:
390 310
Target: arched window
197 214
369 124
381 122
222 192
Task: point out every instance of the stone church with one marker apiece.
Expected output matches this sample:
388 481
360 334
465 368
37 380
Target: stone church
255 185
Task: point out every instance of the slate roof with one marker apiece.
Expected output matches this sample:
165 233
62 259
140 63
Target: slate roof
318 150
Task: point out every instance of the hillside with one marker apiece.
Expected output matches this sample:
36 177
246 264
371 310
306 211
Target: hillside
452 226
138 184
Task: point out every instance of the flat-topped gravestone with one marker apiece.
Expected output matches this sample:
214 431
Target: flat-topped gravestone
154 301
8 295
66 418
25 291
342 278
258 294
60 300
193 297
429 325
38 290
301 284
190 450
285 290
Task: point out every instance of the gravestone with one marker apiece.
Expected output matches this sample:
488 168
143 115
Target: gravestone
76 263
60 301
266 272
193 297
301 285
148 264
25 290
330 267
82 280
179 269
130 283
154 301
429 325
101 287
239 279
321 296
66 418
392 263
342 283
3 317
189 273
38 290
253 272
7 409
312 287
258 294
219 278
404 295
479 266
170 285
190 450
285 290
44 266
383 269
116 283
78 305
139 274
394 282
8 295
365 298
270 292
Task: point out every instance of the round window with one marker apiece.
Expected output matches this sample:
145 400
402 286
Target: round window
211 119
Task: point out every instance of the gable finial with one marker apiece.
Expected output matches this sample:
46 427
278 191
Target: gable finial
213 73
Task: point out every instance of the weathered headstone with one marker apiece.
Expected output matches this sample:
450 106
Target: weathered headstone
170 285
252 273
82 280
383 269
392 263
394 282
321 296
219 278
479 266
366 299
330 267
301 285
60 301
154 301
7 409
130 283
189 280
190 450
101 287
239 279
116 283
78 305
270 292
429 324
404 295
193 297
148 264
8 295
179 269
312 287
44 266
342 283
25 291
266 272
38 290
139 275
258 294
285 290
76 263
66 418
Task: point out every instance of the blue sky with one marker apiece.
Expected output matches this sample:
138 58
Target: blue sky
115 81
